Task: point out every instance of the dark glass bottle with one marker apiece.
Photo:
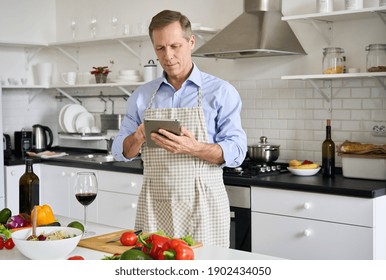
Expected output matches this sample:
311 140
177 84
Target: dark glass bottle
328 153
28 189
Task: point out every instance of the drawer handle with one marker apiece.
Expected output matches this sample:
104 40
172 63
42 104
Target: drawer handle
133 205
307 232
307 205
133 184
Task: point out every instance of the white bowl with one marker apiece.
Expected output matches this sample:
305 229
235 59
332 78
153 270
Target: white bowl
303 172
48 249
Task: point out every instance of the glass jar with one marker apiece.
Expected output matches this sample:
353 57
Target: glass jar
333 60
376 58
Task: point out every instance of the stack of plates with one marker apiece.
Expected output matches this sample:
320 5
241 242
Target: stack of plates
74 118
128 76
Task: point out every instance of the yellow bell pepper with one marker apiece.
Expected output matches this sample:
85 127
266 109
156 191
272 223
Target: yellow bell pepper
44 215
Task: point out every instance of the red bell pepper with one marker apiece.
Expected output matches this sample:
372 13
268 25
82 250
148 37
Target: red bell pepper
153 244
176 249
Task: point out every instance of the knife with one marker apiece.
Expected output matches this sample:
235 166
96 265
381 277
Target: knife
117 238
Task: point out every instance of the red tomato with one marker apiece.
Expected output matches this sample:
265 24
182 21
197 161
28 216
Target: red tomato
9 244
128 238
1 243
307 162
77 258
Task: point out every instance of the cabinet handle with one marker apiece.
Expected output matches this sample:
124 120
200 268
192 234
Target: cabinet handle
133 205
307 232
63 173
13 173
133 184
307 205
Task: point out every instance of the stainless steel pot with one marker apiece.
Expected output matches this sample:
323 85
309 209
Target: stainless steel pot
264 152
112 121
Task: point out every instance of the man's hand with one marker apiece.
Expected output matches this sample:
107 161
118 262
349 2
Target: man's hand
186 143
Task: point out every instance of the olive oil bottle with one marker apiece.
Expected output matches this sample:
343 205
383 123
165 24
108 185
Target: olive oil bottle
328 153
28 189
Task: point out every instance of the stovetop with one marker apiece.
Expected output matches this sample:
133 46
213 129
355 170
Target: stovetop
252 169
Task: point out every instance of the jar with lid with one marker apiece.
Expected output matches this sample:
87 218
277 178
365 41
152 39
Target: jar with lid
376 58
333 60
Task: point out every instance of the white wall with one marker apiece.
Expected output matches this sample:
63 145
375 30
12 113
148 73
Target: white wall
289 113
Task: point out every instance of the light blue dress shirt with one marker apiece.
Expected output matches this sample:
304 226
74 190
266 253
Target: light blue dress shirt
221 104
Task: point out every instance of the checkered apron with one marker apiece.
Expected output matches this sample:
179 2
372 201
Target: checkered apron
182 194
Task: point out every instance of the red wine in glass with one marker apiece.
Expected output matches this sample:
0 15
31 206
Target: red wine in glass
85 198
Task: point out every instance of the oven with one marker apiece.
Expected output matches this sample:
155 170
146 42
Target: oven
240 212
240 198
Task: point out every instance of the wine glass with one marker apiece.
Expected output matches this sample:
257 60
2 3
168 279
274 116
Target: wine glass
114 24
74 26
93 26
86 189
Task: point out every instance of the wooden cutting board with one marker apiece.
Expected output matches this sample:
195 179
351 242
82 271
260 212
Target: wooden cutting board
99 243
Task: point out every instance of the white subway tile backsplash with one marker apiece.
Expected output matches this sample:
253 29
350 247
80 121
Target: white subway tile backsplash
352 103
289 112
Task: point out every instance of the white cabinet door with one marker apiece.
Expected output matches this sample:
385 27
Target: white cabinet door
12 175
117 209
55 189
298 238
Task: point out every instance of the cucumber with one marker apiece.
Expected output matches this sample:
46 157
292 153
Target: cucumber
5 214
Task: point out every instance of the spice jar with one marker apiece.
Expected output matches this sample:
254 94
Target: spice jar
333 60
376 58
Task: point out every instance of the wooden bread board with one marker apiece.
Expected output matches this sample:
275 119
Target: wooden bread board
99 243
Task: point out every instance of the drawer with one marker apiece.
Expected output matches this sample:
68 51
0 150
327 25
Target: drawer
117 210
335 208
303 239
120 182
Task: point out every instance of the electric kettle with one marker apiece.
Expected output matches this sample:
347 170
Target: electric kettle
42 138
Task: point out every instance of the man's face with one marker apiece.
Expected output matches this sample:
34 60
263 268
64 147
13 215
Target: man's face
173 50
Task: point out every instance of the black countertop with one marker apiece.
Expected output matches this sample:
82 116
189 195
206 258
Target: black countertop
338 185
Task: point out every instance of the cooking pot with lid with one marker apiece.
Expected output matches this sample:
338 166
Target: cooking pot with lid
264 152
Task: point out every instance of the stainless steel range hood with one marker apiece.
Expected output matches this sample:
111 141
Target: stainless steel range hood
258 32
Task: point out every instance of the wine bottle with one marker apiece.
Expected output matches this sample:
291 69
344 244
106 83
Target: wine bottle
28 189
328 153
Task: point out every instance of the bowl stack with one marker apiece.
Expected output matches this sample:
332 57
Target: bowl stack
127 76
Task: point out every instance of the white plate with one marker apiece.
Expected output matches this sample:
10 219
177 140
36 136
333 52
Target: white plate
128 72
61 115
69 115
83 121
303 172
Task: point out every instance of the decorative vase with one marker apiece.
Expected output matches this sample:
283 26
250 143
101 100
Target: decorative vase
100 78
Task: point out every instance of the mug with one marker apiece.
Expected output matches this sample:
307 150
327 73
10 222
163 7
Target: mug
69 78
44 71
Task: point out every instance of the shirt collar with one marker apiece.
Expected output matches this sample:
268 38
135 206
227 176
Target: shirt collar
194 77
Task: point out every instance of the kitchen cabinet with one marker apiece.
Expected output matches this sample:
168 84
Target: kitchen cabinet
57 190
304 225
116 201
12 175
118 198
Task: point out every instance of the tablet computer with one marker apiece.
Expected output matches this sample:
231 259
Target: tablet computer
153 125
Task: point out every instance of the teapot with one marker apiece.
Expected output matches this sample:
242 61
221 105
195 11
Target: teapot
42 138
